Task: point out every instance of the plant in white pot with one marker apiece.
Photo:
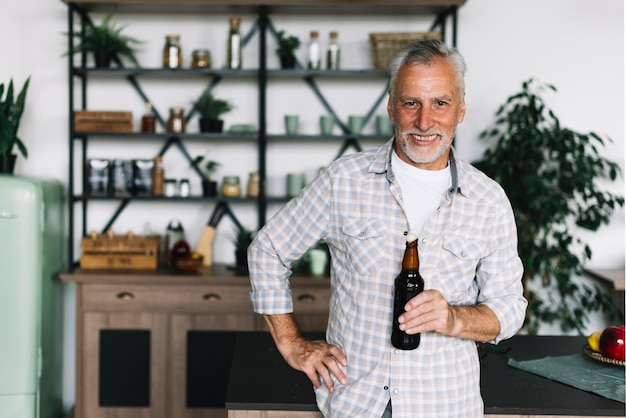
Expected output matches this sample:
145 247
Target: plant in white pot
210 110
11 109
551 175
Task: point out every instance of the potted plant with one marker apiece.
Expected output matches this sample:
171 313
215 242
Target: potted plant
210 110
209 186
11 109
286 48
551 173
243 239
104 42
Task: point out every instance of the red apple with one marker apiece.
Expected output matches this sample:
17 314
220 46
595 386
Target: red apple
612 343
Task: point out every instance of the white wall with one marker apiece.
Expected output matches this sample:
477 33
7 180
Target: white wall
577 45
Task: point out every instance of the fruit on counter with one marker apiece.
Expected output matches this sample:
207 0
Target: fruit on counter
612 344
594 340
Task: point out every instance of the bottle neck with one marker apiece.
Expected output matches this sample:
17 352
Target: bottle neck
410 261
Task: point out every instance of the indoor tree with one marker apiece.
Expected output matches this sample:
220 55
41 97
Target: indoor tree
551 174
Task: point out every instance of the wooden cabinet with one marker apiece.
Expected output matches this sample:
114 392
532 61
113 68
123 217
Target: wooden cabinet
157 344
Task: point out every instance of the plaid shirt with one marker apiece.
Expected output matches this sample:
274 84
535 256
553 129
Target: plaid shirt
468 251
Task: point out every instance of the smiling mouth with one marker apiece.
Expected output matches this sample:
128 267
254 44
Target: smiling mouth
424 138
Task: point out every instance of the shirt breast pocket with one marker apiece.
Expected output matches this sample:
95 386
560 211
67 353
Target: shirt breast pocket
457 268
364 240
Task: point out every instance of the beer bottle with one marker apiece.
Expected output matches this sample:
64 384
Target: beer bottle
408 284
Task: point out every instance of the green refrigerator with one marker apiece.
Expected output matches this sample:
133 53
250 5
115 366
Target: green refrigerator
32 244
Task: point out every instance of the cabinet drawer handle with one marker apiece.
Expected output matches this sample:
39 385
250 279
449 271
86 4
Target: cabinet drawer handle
125 296
211 297
306 298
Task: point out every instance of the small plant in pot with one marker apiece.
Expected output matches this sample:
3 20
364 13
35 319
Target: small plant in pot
210 110
209 186
287 45
243 239
104 42
11 109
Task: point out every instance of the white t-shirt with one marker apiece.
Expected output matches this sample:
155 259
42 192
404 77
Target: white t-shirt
422 191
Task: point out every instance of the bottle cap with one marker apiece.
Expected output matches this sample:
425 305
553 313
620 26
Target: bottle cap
410 237
314 34
234 21
333 35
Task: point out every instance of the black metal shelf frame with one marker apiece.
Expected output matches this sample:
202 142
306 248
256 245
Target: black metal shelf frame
263 26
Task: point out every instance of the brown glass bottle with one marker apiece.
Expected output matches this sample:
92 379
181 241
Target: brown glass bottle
408 284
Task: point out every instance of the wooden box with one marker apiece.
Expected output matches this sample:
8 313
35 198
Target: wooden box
119 252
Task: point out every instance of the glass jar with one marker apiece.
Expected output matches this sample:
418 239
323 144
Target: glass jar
253 184
172 53
233 58
170 187
200 58
185 188
176 121
231 187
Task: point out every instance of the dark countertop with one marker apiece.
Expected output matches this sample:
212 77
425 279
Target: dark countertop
261 380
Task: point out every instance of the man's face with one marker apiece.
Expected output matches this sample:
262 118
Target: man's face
426 108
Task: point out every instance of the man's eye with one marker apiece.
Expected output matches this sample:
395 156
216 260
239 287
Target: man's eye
441 103
410 103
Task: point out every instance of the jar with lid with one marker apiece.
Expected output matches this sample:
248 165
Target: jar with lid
315 56
172 52
200 58
253 184
185 188
176 121
170 187
333 53
148 120
231 187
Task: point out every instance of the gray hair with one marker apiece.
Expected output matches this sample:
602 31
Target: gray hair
425 52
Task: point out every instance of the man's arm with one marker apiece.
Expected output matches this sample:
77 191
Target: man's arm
429 311
314 358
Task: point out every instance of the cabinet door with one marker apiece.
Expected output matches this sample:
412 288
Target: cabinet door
199 363
123 365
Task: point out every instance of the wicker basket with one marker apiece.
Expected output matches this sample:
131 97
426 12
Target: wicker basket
385 46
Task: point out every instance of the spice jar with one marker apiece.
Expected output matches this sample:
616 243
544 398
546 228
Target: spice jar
176 122
253 184
185 188
231 187
172 53
170 187
200 58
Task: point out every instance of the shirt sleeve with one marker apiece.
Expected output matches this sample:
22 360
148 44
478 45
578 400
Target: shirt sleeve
499 276
284 239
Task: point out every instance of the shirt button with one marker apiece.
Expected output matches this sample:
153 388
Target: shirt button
386 387
424 240
396 391
396 351
463 254
361 234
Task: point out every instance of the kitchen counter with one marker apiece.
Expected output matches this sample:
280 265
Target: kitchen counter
261 381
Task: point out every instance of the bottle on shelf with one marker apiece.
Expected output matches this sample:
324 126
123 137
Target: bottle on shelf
176 121
172 53
408 284
233 59
315 58
148 120
158 176
333 52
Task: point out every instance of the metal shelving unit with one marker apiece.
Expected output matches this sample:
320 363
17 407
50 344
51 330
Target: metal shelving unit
444 14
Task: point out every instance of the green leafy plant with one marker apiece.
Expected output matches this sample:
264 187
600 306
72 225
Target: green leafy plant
209 167
243 239
211 108
11 109
106 39
550 175
287 45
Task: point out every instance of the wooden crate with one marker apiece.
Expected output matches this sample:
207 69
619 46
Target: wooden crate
119 252
385 46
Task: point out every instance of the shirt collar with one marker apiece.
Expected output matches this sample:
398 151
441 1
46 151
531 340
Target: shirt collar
382 163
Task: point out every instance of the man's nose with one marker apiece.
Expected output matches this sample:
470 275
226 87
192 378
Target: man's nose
423 119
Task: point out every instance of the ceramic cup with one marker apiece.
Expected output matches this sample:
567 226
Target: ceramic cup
355 123
291 124
317 262
295 183
327 122
384 126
